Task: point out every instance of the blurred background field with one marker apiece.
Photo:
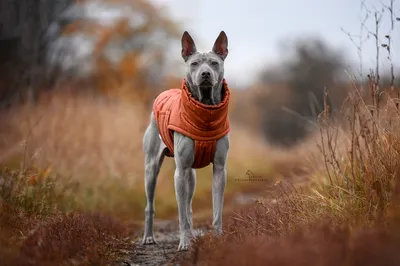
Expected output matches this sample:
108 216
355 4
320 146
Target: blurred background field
77 81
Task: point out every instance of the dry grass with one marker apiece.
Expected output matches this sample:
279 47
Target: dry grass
89 238
72 161
347 215
39 227
94 147
75 153
70 239
313 245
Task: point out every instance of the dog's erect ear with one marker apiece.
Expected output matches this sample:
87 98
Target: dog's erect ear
188 46
221 45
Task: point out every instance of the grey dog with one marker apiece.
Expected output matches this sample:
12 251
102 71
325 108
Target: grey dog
201 68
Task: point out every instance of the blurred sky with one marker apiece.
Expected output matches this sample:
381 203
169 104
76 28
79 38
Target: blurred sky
255 29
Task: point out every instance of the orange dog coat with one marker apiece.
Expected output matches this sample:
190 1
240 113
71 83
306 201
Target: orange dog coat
176 110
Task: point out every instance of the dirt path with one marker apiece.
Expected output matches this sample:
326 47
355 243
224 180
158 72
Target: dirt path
167 236
165 250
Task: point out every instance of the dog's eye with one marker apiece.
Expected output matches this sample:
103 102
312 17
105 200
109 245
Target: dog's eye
214 63
194 64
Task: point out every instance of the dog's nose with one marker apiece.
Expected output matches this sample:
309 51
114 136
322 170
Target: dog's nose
205 74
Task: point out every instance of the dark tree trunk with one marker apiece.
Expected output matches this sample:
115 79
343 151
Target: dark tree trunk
21 25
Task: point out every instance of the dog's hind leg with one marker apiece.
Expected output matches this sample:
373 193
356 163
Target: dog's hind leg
154 152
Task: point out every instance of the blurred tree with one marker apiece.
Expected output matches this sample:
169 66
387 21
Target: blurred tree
309 67
21 25
116 47
120 45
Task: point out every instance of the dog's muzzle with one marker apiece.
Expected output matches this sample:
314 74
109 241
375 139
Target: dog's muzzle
205 90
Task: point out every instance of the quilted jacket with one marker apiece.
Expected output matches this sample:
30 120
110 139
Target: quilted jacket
176 110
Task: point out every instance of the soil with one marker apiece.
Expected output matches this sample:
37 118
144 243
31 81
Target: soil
166 234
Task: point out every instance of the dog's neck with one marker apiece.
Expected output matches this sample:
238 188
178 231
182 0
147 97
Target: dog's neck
199 94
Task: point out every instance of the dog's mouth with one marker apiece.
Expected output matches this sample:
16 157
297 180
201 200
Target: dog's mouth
206 83
206 92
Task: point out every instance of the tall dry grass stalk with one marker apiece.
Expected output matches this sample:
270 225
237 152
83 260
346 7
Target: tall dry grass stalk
361 156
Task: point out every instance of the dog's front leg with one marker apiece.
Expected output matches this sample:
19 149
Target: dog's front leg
184 157
182 194
219 182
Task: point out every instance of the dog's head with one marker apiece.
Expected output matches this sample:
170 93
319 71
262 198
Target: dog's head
205 71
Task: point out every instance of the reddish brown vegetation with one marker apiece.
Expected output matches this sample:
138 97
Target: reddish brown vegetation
71 239
315 245
272 234
90 236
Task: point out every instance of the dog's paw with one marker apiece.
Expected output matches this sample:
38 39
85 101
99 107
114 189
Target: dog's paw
183 247
218 232
148 240
184 244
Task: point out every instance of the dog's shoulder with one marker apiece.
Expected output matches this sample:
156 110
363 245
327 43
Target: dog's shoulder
166 99
164 95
